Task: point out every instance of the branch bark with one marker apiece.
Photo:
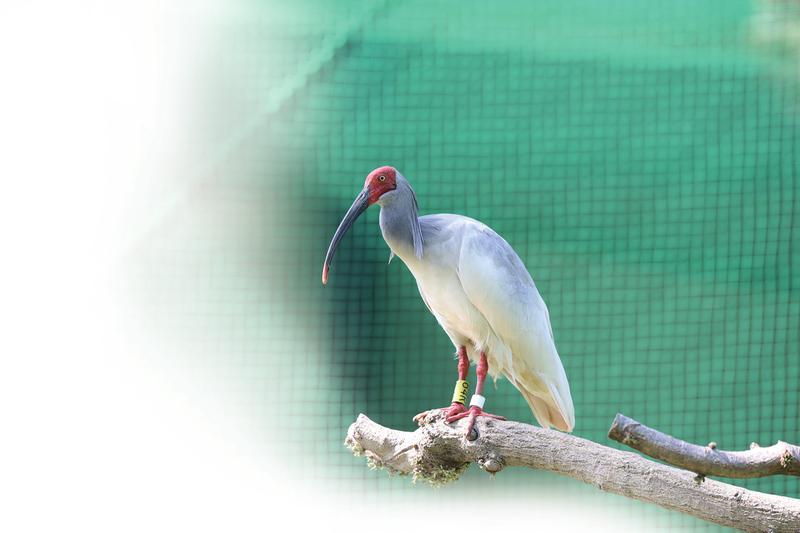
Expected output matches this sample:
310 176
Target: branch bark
780 458
438 453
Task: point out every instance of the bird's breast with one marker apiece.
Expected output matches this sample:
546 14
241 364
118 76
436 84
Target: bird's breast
441 289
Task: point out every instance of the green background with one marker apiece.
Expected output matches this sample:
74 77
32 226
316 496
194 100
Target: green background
641 157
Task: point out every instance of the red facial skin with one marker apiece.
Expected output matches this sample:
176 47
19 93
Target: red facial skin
378 186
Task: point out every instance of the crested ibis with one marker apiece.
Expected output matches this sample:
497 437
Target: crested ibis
480 293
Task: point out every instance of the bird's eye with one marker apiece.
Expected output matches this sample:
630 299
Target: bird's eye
382 178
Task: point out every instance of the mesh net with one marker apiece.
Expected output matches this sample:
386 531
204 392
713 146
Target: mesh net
641 158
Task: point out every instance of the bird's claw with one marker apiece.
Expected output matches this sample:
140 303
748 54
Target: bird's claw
452 410
473 413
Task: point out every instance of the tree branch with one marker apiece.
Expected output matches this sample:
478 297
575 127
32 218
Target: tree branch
780 458
438 453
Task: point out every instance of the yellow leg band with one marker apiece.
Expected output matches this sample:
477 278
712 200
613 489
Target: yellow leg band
460 394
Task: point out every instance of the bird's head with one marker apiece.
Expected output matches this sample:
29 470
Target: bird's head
380 181
379 185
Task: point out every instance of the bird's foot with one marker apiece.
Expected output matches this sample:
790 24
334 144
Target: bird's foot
452 410
473 413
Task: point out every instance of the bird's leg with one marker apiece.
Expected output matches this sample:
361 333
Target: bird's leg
476 404
460 394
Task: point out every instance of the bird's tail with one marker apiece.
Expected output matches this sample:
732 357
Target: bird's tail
551 408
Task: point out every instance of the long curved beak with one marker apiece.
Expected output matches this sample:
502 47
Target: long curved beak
359 206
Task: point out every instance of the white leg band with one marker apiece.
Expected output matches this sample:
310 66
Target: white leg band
477 400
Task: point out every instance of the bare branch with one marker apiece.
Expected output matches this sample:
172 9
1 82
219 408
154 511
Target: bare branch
780 458
438 453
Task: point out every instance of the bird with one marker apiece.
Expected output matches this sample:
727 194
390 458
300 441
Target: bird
481 294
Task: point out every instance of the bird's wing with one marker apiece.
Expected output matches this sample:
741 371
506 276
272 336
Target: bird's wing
497 283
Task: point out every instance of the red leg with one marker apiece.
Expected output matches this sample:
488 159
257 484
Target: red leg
456 407
475 411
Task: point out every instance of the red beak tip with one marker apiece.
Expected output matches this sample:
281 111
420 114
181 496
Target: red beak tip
325 276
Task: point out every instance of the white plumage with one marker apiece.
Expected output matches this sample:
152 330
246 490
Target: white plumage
483 297
477 288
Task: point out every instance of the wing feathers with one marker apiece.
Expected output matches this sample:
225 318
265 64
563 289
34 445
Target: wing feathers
548 405
496 282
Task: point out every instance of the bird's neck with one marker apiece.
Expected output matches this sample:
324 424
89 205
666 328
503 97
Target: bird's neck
400 227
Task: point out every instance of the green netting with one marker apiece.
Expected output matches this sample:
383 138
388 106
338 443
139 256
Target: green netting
642 159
